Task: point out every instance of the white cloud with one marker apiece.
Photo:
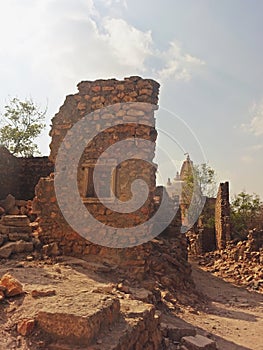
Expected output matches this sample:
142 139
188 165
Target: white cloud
177 64
60 42
129 45
110 3
255 125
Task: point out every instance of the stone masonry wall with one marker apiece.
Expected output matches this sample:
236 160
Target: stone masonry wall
19 176
136 121
8 173
222 216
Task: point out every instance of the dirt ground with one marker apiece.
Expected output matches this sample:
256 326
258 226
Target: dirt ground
233 316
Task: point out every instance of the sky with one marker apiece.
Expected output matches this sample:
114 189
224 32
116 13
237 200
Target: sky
206 54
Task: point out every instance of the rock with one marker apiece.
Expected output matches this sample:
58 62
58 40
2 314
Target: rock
141 294
16 236
198 342
12 285
8 203
2 295
24 247
15 220
25 327
7 250
2 240
123 288
2 211
51 249
42 293
13 211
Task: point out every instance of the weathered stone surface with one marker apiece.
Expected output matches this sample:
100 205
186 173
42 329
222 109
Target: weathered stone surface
92 313
176 332
239 263
42 293
14 229
137 329
16 236
12 285
19 176
198 342
2 239
15 220
8 203
24 247
7 250
26 327
222 216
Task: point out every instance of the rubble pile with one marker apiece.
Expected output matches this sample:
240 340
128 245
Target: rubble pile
16 235
12 206
240 263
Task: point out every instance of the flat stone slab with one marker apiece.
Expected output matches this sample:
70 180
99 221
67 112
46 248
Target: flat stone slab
19 236
15 247
13 229
15 220
198 342
78 319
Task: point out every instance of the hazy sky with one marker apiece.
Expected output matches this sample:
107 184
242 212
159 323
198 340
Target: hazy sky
207 55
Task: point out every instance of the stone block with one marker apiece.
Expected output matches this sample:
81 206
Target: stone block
198 343
15 220
81 321
12 286
7 250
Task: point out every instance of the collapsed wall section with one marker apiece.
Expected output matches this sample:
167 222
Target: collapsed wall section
131 122
19 176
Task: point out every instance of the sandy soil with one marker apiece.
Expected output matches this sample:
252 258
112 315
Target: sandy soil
233 316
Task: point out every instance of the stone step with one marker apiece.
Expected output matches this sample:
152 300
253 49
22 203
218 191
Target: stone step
15 220
176 330
16 247
79 319
198 342
13 229
19 236
137 328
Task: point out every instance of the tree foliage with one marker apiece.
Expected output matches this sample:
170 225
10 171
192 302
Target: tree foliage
22 122
199 182
201 178
246 213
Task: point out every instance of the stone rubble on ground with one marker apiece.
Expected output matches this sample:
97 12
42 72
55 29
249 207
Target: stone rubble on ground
240 263
16 235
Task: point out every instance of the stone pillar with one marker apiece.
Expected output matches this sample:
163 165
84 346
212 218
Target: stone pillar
222 216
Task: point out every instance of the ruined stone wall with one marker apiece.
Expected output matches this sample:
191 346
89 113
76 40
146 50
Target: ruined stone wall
30 171
135 122
8 173
19 176
222 216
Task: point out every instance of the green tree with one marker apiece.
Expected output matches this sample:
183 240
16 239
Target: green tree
199 183
201 178
246 210
22 122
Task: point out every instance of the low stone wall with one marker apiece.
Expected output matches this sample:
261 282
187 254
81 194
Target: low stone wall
19 176
30 171
9 183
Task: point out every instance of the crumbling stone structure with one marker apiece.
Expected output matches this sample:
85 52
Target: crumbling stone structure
19 176
222 216
134 122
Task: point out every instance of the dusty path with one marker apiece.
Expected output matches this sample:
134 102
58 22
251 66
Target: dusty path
233 317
